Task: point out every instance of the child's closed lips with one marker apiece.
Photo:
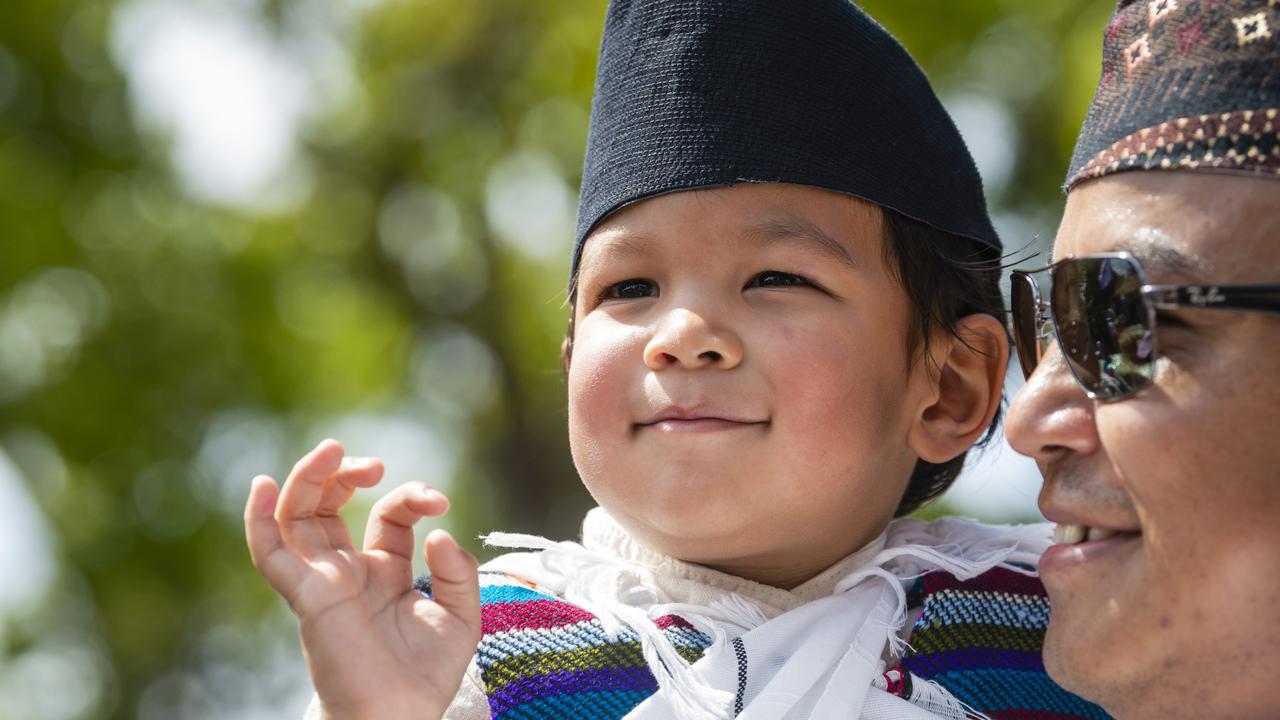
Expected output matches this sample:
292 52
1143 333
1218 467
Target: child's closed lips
699 418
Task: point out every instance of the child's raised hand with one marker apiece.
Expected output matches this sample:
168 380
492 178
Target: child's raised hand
374 646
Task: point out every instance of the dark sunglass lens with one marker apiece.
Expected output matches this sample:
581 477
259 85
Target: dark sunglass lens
1105 325
1022 298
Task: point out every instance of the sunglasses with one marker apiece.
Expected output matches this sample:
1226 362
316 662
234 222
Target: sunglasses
1102 310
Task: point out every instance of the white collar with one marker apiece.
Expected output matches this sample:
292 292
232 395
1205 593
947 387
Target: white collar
603 534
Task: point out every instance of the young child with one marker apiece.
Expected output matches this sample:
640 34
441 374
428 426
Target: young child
784 335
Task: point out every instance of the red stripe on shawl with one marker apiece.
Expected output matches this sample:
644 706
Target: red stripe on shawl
530 615
670 621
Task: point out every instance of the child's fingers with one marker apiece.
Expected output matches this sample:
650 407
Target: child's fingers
296 511
392 518
281 566
306 482
455 580
354 472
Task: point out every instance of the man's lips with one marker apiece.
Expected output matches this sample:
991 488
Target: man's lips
1059 557
1076 542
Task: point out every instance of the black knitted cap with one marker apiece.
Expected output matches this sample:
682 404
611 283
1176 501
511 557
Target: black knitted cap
702 93
1186 85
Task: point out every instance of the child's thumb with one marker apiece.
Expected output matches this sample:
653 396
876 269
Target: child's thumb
455 579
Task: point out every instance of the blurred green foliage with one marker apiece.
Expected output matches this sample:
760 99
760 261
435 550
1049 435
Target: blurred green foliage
158 347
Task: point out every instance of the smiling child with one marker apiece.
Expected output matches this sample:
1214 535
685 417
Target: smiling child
785 334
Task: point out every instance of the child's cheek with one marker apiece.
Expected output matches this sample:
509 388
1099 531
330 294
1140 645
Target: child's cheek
839 383
599 374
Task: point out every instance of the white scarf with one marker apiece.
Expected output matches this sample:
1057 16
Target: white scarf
821 659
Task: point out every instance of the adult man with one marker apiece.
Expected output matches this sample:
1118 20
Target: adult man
1162 473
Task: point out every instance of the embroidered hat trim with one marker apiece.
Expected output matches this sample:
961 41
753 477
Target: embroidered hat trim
1243 141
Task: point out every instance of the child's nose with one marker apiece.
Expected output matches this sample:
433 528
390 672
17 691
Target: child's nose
685 338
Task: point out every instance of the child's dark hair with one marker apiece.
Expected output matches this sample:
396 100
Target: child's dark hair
946 277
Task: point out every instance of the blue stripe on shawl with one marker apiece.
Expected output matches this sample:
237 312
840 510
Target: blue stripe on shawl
1020 689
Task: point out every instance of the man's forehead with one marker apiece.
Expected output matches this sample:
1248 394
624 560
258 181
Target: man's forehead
1165 258
1184 227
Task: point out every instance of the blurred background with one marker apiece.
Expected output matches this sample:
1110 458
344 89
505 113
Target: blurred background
231 228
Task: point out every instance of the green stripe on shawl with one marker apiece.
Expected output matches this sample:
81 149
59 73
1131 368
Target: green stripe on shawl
612 655
925 640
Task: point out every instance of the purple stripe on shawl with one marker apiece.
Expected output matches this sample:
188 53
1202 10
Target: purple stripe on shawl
994 580
530 615
929 664
528 689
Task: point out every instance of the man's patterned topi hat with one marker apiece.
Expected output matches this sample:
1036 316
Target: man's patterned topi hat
1186 85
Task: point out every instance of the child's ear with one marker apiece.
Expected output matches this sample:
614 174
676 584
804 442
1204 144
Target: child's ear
969 382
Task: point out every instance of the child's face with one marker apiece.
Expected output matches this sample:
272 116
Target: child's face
739 391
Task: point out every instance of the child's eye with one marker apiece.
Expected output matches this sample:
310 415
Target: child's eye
629 290
775 278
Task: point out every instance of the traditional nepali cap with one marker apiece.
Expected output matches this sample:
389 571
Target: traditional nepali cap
703 93
1186 85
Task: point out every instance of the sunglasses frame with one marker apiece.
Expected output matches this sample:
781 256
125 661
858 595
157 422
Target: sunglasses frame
1263 298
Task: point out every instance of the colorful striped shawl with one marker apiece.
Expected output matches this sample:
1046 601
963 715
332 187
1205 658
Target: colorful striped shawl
542 657
981 640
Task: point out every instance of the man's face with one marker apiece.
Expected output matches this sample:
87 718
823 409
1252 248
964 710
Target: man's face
1177 615
738 389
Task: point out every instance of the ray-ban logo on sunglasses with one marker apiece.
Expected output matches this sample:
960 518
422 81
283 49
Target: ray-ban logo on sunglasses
1204 296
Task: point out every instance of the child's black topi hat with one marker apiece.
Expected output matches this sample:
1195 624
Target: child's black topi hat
702 93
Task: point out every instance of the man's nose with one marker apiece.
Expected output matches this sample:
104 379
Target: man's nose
686 338
1050 415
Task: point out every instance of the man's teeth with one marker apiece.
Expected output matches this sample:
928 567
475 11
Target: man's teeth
1065 534
1069 534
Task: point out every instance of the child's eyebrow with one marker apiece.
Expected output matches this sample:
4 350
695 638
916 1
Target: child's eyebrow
792 229
614 246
